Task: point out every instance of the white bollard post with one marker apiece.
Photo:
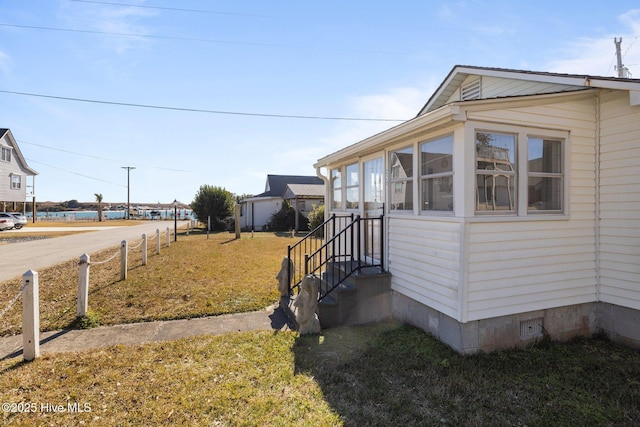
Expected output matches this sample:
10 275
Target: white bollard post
144 249
158 241
83 285
168 237
124 252
30 316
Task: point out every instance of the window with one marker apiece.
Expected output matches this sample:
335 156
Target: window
336 189
436 174
545 181
353 189
6 154
401 180
495 172
16 182
518 173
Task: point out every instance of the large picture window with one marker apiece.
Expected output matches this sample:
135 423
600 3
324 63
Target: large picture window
436 174
401 179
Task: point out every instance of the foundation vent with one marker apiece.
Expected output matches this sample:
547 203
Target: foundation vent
531 328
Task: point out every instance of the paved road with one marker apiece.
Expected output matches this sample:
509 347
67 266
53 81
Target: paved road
17 258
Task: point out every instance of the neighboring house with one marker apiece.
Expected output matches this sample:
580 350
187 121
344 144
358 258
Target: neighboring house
14 173
302 191
511 207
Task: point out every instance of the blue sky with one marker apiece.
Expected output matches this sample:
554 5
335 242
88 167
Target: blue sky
250 88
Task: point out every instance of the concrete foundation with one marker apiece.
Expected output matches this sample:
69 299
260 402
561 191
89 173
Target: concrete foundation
560 324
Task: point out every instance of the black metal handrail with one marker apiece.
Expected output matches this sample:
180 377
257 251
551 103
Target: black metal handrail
351 248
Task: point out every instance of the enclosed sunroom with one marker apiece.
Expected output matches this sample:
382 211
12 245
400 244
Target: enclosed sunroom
510 207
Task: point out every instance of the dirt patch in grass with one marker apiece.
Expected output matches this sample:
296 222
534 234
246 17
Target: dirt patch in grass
194 277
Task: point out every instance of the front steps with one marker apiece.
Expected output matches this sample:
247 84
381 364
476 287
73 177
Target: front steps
364 297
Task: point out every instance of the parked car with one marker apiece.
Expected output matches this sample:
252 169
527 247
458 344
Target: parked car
19 220
6 222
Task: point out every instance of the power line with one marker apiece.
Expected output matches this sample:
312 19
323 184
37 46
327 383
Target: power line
169 8
97 157
197 110
74 173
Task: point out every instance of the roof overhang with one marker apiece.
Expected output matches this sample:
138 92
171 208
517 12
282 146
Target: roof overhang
434 119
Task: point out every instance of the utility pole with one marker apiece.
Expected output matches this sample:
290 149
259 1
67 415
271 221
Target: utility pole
128 168
622 70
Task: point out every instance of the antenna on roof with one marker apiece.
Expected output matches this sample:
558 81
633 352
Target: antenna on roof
623 72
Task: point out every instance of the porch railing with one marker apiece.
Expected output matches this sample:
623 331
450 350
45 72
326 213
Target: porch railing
336 249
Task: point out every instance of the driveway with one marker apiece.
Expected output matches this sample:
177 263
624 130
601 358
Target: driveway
18 258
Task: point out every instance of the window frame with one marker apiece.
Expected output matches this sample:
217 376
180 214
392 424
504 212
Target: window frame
424 177
406 183
6 153
13 178
351 186
523 134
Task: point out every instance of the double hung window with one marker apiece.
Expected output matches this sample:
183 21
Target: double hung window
436 174
401 179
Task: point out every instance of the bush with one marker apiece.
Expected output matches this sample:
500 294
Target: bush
284 219
316 217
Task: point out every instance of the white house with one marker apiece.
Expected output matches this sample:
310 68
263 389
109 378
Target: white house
301 191
14 173
511 207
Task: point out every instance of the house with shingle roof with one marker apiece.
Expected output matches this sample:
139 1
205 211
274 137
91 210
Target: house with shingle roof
14 173
303 192
511 207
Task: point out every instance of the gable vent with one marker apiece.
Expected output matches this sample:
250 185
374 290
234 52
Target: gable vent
470 91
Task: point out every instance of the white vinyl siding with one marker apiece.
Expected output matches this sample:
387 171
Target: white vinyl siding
620 201
494 87
523 265
424 258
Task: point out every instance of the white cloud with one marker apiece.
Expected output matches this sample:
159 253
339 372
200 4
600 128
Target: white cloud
597 56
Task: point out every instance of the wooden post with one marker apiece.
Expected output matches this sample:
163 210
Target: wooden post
30 316
158 241
144 249
124 252
168 237
83 285
237 217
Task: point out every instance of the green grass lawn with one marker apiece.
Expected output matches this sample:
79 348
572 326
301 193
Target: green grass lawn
383 374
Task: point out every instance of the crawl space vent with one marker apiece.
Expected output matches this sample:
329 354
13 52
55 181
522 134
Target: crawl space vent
531 328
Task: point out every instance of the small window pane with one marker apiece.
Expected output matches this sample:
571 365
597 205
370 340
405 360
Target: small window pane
545 156
402 196
352 198
352 175
495 151
436 156
495 192
336 179
336 203
402 163
545 194
437 194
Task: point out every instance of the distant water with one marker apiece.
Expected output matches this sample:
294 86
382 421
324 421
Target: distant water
117 214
